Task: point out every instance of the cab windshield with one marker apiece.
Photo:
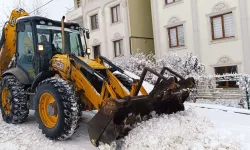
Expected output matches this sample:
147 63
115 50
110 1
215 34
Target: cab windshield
52 36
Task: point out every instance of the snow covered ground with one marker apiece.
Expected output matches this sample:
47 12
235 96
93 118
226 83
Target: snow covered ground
27 136
229 120
200 125
195 129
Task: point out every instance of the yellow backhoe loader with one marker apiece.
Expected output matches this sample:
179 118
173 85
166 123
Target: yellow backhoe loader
43 68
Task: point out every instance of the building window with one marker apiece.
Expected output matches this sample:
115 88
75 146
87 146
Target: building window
115 13
226 70
118 48
78 3
222 26
170 1
97 51
176 36
94 22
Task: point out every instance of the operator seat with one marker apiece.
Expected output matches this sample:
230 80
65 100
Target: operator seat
46 54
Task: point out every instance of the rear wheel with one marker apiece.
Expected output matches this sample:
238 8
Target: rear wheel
57 108
13 101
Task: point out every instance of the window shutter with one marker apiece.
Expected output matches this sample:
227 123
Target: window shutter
180 35
117 48
118 13
114 13
228 25
217 27
121 47
92 22
97 22
173 37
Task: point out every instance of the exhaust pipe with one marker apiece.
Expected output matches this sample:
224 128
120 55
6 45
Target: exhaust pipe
63 35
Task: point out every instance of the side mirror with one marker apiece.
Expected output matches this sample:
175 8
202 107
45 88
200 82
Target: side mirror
87 35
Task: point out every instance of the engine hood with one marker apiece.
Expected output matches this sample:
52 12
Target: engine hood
92 63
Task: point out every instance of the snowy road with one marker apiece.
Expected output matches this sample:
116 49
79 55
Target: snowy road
28 136
237 124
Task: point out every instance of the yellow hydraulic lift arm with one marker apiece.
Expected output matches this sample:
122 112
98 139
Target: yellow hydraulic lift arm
8 40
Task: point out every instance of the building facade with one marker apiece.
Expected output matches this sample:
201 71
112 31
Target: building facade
217 31
117 27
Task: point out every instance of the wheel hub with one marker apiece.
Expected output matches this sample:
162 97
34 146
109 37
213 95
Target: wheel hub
51 110
48 110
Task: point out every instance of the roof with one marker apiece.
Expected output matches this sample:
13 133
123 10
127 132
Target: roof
38 18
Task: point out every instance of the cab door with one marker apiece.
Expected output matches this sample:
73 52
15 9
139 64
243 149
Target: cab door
25 49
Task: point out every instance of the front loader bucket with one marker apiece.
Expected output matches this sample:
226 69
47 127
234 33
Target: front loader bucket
117 117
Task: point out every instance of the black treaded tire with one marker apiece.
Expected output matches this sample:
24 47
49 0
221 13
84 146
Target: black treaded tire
68 103
124 80
18 100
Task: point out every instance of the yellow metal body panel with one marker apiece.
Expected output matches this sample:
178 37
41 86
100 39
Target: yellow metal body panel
70 70
118 87
9 47
93 63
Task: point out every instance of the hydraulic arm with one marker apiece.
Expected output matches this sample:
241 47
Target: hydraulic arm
8 39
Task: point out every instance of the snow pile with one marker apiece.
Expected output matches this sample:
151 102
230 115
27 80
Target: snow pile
184 130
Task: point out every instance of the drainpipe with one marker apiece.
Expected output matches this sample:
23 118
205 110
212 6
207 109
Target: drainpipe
156 30
126 46
196 32
105 33
245 34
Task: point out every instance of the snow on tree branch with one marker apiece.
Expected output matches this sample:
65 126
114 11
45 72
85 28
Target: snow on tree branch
187 66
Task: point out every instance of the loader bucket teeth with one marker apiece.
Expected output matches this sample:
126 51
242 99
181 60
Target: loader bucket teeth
118 117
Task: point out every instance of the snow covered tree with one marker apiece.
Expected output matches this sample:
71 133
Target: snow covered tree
136 63
243 83
188 66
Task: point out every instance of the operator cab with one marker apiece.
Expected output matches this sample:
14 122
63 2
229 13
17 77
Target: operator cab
39 39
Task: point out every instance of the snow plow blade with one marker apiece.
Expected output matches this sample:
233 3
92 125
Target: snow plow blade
117 117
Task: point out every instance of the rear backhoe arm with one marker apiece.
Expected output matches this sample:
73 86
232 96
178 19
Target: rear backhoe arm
8 40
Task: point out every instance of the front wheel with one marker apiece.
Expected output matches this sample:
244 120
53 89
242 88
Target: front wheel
57 108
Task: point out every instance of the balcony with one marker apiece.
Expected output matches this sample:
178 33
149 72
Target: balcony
74 14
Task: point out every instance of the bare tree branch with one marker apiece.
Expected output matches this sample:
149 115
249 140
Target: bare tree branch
5 11
39 12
